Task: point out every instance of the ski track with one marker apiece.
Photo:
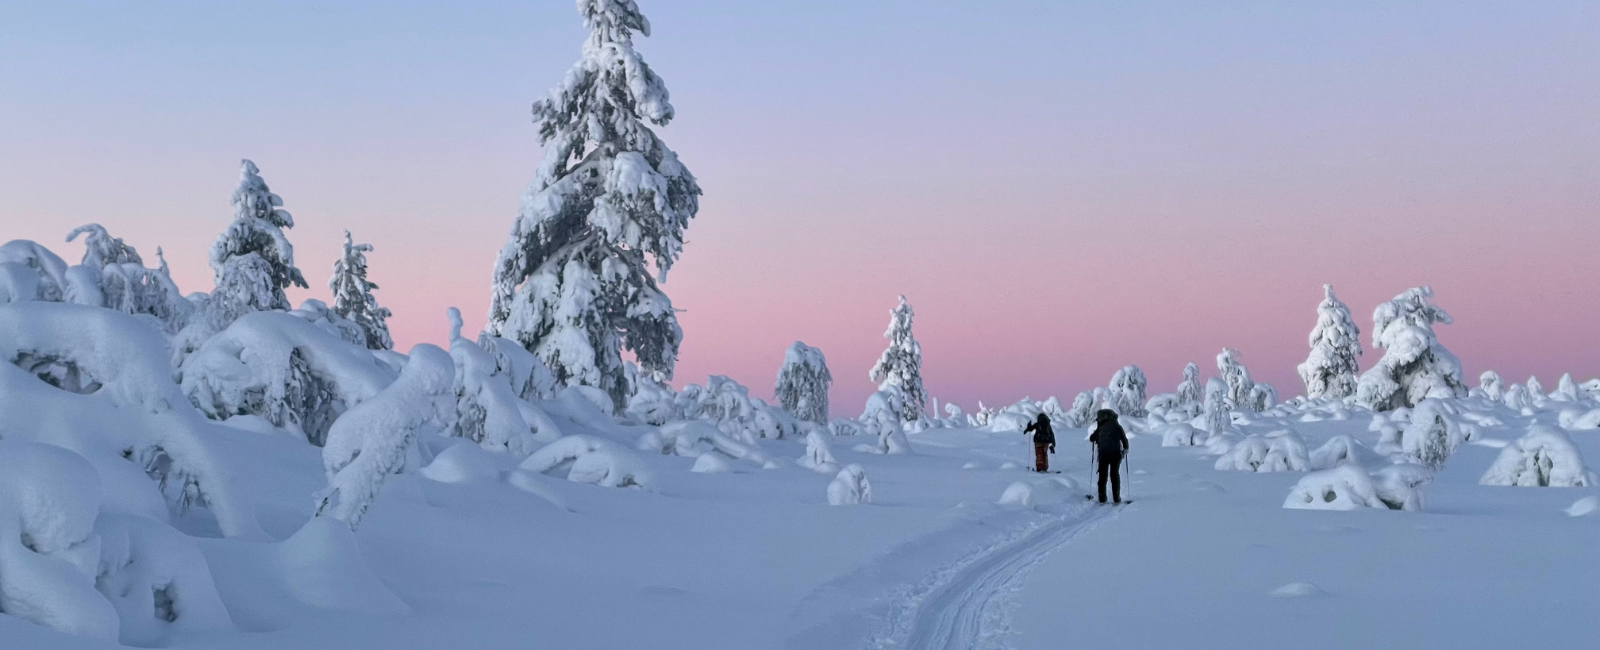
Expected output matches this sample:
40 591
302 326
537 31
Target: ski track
969 606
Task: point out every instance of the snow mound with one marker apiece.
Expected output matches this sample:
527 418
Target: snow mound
1545 457
1346 487
1039 492
1282 452
1349 487
587 459
156 579
691 438
282 368
462 463
321 565
1298 590
1580 419
1399 486
1182 435
1010 465
1584 506
711 464
49 554
1341 450
819 454
850 487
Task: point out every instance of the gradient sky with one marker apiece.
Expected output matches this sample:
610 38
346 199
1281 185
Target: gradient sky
1060 188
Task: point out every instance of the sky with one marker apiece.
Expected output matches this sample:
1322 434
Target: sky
1059 188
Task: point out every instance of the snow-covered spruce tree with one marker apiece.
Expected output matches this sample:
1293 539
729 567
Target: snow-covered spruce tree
252 259
900 366
1190 392
1414 366
803 382
1127 391
352 295
571 283
121 281
1241 389
1331 369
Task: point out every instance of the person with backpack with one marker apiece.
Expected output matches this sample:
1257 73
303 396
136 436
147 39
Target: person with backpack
1112 443
1043 438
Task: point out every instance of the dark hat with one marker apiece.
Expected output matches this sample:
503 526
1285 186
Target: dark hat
1105 414
1042 418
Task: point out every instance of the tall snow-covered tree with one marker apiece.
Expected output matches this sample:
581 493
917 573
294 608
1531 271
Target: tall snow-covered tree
1414 365
803 383
900 366
572 283
253 260
1241 389
1330 371
352 295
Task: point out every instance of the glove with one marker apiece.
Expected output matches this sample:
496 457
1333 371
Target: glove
1052 448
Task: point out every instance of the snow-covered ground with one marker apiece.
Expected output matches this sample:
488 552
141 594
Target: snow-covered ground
957 547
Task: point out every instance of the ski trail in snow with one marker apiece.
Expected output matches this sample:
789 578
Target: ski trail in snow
968 606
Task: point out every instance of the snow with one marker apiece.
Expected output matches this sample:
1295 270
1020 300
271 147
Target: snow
296 485
850 487
1546 456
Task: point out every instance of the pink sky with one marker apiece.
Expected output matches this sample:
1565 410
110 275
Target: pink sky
1057 197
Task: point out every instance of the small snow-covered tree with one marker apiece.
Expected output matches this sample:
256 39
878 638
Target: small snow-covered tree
1263 397
1414 365
253 260
850 487
1240 387
803 383
1330 371
1127 391
1190 390
1219 417
1082 412
1566 389
124 284
1491 386
572 282
352 295
900 366
1432 436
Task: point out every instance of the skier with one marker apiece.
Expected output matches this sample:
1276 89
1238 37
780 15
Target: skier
1113 443
1043 438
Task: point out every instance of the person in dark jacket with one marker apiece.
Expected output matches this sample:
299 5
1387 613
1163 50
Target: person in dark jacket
1112 443
1043 438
